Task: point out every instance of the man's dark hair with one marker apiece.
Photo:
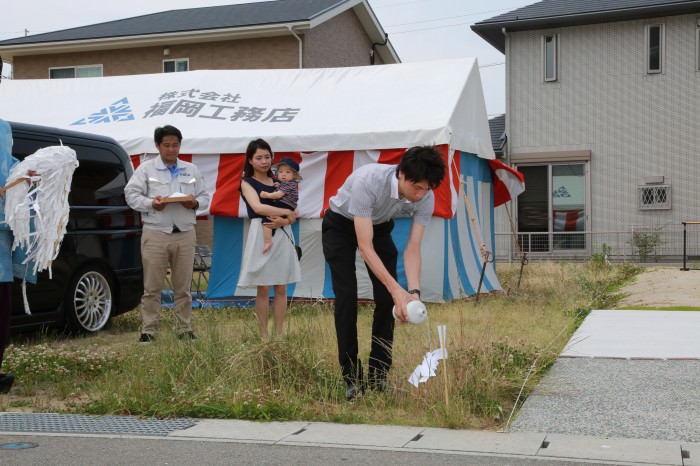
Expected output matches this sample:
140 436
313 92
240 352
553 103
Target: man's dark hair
422 163
253 146
166 130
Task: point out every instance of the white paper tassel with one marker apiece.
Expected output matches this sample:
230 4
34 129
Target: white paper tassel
43 203
428 367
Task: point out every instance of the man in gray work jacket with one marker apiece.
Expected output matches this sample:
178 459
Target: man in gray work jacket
360 218
168 229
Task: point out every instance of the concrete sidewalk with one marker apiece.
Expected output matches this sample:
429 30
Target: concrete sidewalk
514 445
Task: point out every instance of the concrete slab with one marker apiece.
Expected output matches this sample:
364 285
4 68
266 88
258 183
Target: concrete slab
637 334
354 435
513 443
616 398
613 449
241 430
693 451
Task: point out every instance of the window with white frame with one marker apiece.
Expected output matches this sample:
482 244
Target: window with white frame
175 65
550 52
655 48
82 71
654 197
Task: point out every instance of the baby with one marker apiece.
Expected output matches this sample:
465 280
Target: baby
286 196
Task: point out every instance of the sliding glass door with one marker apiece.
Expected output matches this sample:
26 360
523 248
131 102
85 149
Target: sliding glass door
552 211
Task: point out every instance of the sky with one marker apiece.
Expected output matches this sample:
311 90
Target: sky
420 30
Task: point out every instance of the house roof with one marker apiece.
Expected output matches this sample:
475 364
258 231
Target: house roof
561 13
246 16
497 126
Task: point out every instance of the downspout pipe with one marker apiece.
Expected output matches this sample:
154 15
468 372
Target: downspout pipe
506 145
301 45
373 52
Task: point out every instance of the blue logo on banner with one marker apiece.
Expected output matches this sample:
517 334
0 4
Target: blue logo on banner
561 191
118 111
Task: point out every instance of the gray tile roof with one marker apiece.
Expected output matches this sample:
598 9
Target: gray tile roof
497 125
560 13
191 19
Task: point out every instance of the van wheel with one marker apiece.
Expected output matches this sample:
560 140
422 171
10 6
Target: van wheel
88 304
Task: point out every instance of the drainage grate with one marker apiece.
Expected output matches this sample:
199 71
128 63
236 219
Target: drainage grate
75 423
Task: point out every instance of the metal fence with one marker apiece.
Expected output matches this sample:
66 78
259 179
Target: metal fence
662 244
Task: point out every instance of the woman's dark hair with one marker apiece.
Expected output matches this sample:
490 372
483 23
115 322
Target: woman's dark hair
253 146
422 163
166 130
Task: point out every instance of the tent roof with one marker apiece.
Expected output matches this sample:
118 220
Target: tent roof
370 107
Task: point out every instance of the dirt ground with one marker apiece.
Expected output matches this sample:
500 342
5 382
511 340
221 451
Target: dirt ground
663 287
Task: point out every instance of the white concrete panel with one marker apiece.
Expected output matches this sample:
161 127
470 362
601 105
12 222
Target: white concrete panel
355 435
637 334
240 430
613 449
515 443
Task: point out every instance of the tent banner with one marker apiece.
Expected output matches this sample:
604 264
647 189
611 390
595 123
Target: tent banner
296 110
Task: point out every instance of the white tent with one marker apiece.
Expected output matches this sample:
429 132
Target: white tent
330 120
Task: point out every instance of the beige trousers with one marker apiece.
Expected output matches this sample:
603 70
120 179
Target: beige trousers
158 250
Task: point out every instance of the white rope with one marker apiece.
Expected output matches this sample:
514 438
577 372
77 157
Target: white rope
37 212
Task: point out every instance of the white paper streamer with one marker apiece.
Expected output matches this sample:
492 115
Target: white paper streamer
428 367
41 204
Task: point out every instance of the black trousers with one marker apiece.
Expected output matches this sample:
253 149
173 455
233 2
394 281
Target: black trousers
339 248
5 311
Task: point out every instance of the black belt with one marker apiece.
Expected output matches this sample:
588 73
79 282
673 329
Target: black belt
176 229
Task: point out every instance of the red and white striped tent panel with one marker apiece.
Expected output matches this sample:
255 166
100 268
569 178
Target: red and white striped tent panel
324 173
569 220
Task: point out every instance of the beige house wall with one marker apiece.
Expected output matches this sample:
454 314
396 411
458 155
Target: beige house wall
270 52
341 41
635 124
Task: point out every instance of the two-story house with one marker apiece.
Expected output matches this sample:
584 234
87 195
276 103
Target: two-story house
272 34
602 118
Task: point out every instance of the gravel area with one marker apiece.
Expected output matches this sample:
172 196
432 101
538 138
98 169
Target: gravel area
654 399
663 287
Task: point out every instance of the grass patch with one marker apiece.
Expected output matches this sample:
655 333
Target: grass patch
493 345
657 308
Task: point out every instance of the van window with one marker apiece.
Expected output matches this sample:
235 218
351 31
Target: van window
99 180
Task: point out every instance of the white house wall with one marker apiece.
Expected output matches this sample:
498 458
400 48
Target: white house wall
635 124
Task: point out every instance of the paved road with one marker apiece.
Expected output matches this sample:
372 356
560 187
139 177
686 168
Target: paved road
65 439
72 451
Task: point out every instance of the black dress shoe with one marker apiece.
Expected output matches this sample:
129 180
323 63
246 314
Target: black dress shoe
378 385
6 381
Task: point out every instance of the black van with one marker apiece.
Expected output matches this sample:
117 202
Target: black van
98 271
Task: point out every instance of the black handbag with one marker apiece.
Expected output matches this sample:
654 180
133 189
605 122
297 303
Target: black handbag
297 248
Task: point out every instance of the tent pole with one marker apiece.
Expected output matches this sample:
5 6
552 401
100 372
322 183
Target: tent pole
485 254
521 255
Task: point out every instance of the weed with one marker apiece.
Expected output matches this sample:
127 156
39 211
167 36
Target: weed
493 345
